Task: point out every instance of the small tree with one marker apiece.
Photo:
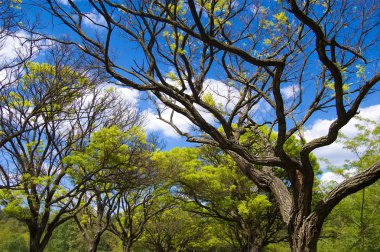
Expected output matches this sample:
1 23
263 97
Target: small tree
177 230
49 112
124 192
215 189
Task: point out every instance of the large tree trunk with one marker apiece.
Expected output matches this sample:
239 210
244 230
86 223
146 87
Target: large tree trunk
38 239
304 233
254 244
94 243
256 248
34 240
34 245
127 246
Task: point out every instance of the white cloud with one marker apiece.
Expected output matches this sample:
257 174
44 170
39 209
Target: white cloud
93 20
290 91
223 95
335 152
131 95
330 177
12 47
155 124
64 2
15 47
320 127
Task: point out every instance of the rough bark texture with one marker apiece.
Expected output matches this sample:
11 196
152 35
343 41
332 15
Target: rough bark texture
36 242
127 246
94 243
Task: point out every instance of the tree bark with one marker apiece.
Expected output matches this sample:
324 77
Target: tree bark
94 243
34 240
304 234
38 239
127 246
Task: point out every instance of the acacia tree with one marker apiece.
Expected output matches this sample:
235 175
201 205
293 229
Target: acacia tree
69 107
105 171
125 190
16 48
215 189
278 63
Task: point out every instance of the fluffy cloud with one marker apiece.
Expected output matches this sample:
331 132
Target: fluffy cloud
320 127
290 91
224 95
131 95
335 152
11 46
330 177
93 20
153 123
14 47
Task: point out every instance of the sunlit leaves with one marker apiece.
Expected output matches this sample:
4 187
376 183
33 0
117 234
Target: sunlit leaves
281 18
360 73
108 148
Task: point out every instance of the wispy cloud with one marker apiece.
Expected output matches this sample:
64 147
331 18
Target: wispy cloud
94 20
290 91
64 2
153 123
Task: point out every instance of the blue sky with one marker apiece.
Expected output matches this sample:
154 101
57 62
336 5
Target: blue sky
316 127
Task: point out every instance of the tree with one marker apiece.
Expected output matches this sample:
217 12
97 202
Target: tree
279 64
101 158
124 192
16 48
13 233
69 108
177 230
207 182
354 224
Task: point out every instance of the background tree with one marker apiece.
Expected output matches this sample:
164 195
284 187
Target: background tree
354 224
177 230
125 189
69 108
216 189
14 234
119 121
17 47
258 51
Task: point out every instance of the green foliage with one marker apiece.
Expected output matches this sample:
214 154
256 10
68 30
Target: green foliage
108 148
13 202
209 100
178 229
352 229
354 224
14 235
66 238
209 184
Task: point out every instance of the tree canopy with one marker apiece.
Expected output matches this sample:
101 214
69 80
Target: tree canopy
248 75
